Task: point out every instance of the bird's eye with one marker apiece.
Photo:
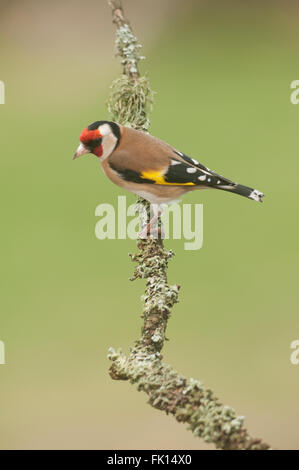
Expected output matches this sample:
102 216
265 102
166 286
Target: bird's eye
92 144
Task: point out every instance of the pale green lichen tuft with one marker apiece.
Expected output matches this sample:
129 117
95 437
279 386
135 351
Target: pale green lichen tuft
130 102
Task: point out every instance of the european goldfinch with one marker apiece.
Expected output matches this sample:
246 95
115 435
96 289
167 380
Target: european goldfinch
150 167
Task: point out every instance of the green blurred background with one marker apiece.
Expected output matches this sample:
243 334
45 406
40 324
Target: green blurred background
222 72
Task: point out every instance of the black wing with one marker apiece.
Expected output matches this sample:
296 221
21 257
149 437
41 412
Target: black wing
186 170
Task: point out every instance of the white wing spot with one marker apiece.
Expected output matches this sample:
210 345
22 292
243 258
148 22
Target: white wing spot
218 182
175 162
209 180
191 170
202 178
195 161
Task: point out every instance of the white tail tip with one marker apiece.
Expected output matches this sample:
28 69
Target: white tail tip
256 195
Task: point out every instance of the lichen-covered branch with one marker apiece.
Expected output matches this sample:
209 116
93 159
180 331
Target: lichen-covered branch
186 399
131 95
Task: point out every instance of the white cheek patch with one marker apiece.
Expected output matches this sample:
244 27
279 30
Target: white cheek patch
104 129
108 145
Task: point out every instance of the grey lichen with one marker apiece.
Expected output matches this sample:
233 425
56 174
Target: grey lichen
130 101
187 400
128 48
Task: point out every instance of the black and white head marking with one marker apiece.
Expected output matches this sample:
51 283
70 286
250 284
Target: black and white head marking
110 133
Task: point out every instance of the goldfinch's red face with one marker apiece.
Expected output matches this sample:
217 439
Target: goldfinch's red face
90 142
99 138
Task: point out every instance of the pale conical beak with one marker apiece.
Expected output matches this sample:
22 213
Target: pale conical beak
81 150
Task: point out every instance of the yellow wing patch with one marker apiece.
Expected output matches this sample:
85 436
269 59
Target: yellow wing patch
159 178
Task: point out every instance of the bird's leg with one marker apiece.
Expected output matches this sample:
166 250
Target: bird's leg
149 229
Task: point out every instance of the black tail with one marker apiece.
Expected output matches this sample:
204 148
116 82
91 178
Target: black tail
243 191
207 178
216 181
